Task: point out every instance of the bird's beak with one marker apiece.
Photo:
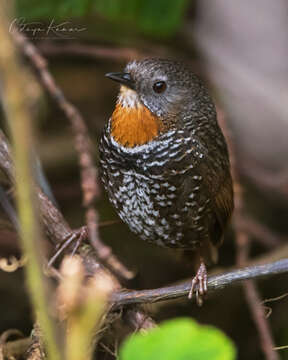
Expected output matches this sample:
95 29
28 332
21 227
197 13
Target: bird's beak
122 78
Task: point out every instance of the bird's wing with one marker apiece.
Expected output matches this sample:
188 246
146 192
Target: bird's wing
220 189
224 204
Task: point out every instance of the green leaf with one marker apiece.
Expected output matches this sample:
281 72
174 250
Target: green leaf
179 339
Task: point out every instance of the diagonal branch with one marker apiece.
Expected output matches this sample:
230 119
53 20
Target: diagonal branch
83 146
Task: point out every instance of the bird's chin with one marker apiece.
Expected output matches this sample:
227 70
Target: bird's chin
128 97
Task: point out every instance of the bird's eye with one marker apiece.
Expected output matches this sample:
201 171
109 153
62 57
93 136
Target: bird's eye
159 86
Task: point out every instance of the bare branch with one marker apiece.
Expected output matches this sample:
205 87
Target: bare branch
265 179
89 51
216 282
260 232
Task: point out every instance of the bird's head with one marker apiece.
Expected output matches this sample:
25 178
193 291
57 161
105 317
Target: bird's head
155 95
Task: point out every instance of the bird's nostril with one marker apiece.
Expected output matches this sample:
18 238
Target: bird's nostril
127 76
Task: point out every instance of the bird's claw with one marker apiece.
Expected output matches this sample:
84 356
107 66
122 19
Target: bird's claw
199 284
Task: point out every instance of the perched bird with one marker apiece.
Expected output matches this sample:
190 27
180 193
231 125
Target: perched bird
164 161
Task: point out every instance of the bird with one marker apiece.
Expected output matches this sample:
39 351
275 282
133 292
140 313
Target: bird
164 162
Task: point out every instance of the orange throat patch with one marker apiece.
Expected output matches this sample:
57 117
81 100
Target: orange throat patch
134 126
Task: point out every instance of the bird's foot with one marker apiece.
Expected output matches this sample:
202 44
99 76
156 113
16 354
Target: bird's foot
199 283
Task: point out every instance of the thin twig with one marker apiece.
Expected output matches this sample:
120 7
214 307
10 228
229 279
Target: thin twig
84 147
284 347
109 223
277 298
138 320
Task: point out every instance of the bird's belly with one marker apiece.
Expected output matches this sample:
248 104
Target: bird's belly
149 207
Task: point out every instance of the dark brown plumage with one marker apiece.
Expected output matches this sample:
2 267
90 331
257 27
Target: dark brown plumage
164 161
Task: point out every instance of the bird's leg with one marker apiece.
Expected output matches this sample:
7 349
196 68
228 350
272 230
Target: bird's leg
200 283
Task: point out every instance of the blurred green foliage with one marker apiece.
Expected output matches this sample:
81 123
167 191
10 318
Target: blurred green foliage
161 17
179 339
158 18
33 9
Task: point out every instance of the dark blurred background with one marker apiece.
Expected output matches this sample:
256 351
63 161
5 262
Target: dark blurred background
241 50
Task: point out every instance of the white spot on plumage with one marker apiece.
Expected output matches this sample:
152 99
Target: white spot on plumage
171 196
128 97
